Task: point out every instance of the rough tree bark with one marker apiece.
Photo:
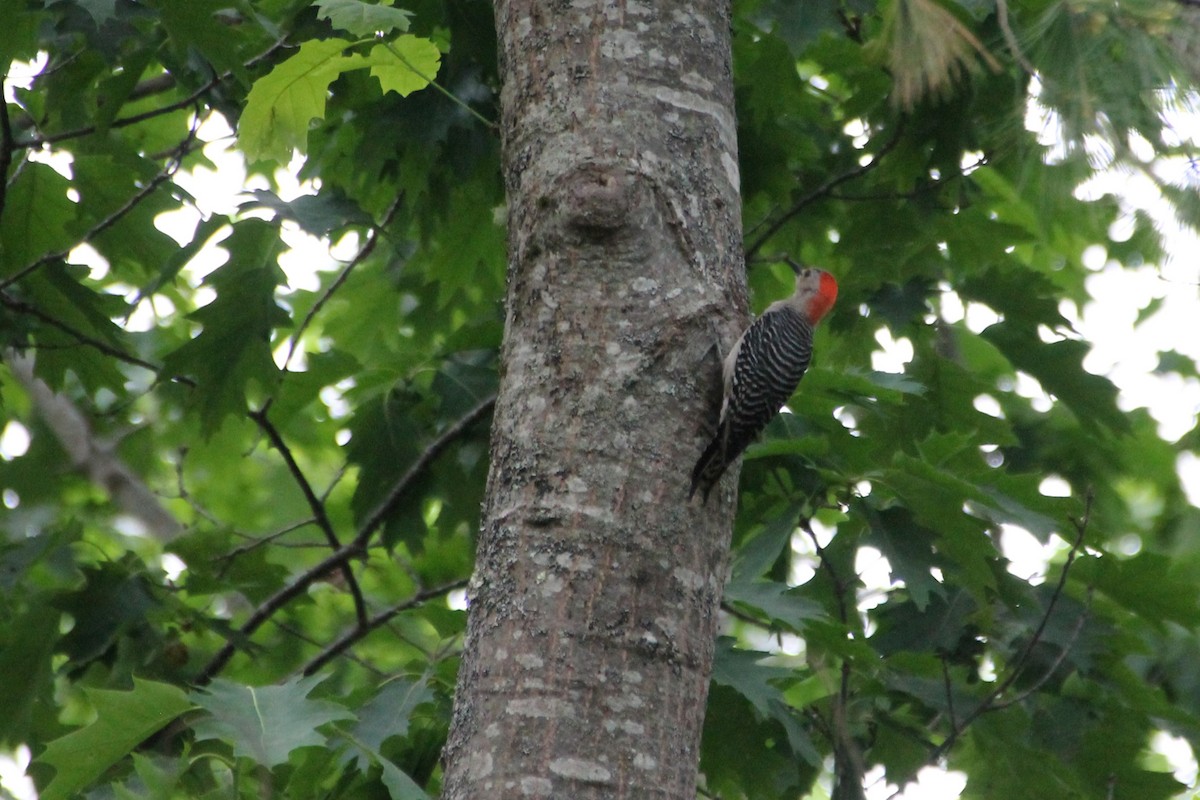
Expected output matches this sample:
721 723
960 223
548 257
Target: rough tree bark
595 598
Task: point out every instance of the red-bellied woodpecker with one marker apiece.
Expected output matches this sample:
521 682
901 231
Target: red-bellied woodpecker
762 370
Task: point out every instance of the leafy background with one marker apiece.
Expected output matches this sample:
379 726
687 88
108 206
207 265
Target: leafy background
240 488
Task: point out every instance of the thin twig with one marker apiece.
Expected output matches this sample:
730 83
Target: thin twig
151 86
281 598
186 496
366 250
1036 638
848 764
376 517
428 79
21 307
165 174
992 702
838 586
179 105
258 541
1054 665
924 188
343 642
949 693
737 613
304 637
823 190
341 473
354 549
314 503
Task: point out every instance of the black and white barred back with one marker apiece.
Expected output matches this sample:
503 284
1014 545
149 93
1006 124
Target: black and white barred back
761 372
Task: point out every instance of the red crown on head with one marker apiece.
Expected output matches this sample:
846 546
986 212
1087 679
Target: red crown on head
823 301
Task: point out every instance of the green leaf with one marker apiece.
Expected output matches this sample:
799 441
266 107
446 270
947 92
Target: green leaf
114 92
37 215
741 671
404 66
937 497
234 348
464 380
939 627
282 102
180 257
754 557
742 755
319 214
1059 368
74 324
197 24
113 599
1149 584
18 40
29 641
363 19
776 600
399 784
386 439
123 721
101 11
388 713
909 548
266 723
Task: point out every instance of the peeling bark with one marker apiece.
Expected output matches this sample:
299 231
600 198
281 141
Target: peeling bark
595 597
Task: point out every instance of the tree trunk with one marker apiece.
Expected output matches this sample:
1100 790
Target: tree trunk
595 597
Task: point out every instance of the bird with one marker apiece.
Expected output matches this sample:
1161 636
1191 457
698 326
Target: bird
762 370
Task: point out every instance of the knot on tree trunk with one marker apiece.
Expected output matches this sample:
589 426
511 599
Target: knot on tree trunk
597 200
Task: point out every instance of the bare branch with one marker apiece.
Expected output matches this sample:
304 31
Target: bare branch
354 549
824 190
346 640
165 174
191 99
21 307
949 688
259 541
376 517
366 250
292 630
314 503
95 458
848 766
992 701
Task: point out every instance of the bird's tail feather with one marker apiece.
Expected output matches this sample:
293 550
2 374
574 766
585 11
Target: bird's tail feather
708 468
